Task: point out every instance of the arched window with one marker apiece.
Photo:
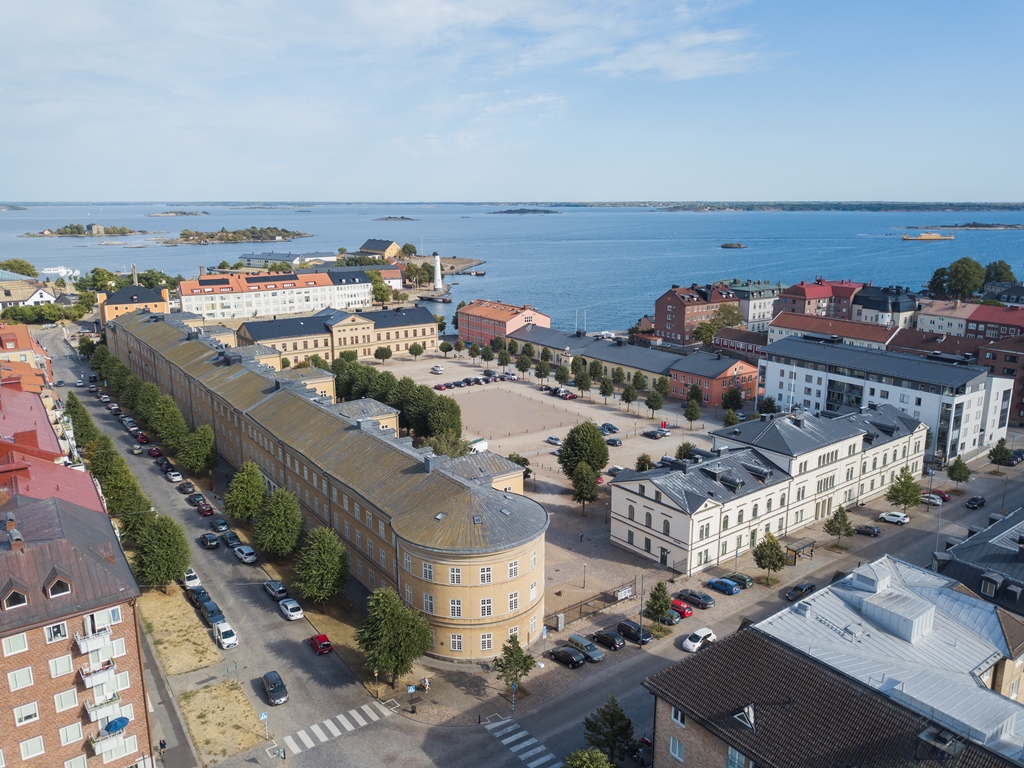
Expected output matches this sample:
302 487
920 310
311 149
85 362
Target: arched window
632 512
753 512
665 527
874 463
782 500
768 507
739 517
647 519
885 459
894 454
725 523
863 467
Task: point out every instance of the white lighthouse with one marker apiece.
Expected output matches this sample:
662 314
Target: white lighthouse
437 273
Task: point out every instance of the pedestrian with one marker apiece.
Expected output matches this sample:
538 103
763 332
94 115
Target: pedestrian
163 746
581 535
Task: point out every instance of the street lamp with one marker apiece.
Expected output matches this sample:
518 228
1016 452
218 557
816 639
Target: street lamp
584 575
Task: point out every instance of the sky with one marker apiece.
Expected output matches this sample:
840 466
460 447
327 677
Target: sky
517 100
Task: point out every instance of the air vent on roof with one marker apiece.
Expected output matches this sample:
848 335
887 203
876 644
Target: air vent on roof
506 513
439 516
477 520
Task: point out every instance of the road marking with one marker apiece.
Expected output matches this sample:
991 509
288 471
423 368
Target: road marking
149 704
514 737
492 726
541 761
369 711
522 745
341 719
384 710
332 728
532 752
318 732
503 731
355 716
305 739
292 745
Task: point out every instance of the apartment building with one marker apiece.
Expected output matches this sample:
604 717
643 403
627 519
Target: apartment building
678 311
71 646
18 346
824 298
391 274
243 296
887 306
715 374
854 333
991 322
481 320
757 300
965 407
467 552
778 474
746 343
131 298
941 316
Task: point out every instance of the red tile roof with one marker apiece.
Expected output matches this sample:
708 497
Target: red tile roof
24 419
22 474
828 326
985 313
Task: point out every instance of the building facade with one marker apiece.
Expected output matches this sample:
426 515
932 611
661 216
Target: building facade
715 374
889 306
678 311
481 321
130 299
824 298
939 316
242 296
757 301
21 293
854 333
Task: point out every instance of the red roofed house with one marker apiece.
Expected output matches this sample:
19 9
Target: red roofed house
18 346
824 298
480 321
990 322
856 334
747 342
23 474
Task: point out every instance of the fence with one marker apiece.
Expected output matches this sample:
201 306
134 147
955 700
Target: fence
592 605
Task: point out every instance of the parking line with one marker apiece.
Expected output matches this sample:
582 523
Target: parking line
514 737
386 712
305 739
531 753
541 761
292 745
318 732
369 711
522 745
356 716
332 728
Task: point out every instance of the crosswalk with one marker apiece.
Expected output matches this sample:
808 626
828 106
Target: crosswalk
336 726
522 745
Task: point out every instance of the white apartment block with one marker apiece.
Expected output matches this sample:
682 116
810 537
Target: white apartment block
757 298
224 297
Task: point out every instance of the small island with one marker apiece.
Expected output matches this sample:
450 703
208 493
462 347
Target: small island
973 225
86 230
396 218
180 213
733 245
525 211
8 207
250 235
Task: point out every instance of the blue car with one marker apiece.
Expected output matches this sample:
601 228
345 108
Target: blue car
724 585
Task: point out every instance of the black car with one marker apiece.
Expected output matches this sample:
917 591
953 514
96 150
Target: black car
868 530
197 596
231 539
568 656
186 488
274 687
544 388
609 639
93 378
219 524
490 373
976 502
211 613
163 462
209 541
630 630
697 598
614 442
195 499
800 590
654 434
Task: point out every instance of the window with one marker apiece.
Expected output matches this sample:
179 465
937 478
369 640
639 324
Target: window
380 528
533 591
456 642
20 678
485 606
65 700
485 575
455 608
513 569
513 601
513 631
57 632
454 575
486 641
408 593
61 666
26 713
665 526
678 717
631 514
753 512
407 563
629 537
383 557
647 545
428 572
533 624
131 744
32 748
675 748
533 560
70 734
347 532
988 589
75 762
15 600
647 520
725 523
15 644
428 603
59 587
735 759
359 540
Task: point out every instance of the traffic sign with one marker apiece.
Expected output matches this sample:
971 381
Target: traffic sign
263 716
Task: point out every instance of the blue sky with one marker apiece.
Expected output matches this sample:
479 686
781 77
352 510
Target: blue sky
401 100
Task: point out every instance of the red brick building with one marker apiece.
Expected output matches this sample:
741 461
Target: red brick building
678 311
715 374
746 342
824 298
480 321
988 322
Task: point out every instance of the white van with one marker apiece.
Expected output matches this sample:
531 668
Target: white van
478 446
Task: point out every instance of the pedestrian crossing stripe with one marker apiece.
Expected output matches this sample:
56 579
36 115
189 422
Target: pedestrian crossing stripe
522 745
364 715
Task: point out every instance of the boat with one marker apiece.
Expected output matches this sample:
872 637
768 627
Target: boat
929 236
733 245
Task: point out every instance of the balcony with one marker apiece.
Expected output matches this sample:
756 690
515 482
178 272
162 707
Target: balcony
93 677
103 743
93 642
110 708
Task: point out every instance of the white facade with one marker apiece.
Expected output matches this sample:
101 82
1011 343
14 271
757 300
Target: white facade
283 301
757 312
948 317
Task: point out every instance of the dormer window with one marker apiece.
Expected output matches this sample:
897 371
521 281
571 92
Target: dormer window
15 599
59 587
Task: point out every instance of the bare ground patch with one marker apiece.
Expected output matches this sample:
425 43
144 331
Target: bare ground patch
181 641
221 721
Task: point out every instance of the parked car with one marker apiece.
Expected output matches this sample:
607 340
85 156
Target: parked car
741 579
554 440
894 517
725 586
274 688
801 590
197 596
614 469
174 476
698 640
614 442
163 462
670 618
205 509
868 530
211 613
219 524
653 434
155 452
104 398
664 432
142 437
191 578
60 382
289 608
544 388
931 500
630 630
209 541
225 635
193 499
697 598
942 495
321 644
245 553
587 647
79 383
93 378
275 589
569 396
609 639
610 427
489 373
136 450
556 452
568 656
231 539
684 609
976 502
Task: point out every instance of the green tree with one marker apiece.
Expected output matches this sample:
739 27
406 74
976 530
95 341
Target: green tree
528 350
321 568
999 272
767 405
393 635
618 376
659 602
769 556
444 417
704 333
562 375
415 350
596 370
105 460
19 266
381 291
196 452
133 525
504 359
575 366
628 395
486 354
584 485
162 553
684 450
514 664
838 524
610 731
643 462
692 412
726 316
474 352
583 382
523 365
639 381
459 346
445 347
279 525
512 347
583 444
441 323
607 389
409 249
86 346
733 399
654 402
939 282
498 343
447 444
523 462
315 361
543 370
82 425
958 471
966 277
587 758
663 386
285 362
122 491
903 491
383 354
545 354
168 423
1000 453
695 393
246 493
731 419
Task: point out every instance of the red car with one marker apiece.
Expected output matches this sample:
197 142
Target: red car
440 388
569 396
205 509
942 495
683 609
155 452
600 480
320 644
141 437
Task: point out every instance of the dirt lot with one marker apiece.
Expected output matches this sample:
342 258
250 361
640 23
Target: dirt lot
181 641
221 721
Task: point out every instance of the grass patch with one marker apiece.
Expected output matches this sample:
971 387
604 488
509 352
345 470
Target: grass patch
956 491
220 720
179 637
766 581
659 630
836 548
996 472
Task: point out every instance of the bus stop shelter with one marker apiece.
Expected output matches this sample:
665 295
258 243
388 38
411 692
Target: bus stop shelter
799 548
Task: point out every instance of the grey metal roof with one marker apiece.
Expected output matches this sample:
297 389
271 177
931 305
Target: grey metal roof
79 543
483 467
886 299
263 330
995 550
363 408
375 245
895 364
142 294
392 318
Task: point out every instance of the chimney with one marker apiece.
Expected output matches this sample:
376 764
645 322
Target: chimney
16 539
202 270
135 275
10 521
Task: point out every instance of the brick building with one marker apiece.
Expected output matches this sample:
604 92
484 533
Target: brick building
481 320
715 374
678 311
745 342
824 298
